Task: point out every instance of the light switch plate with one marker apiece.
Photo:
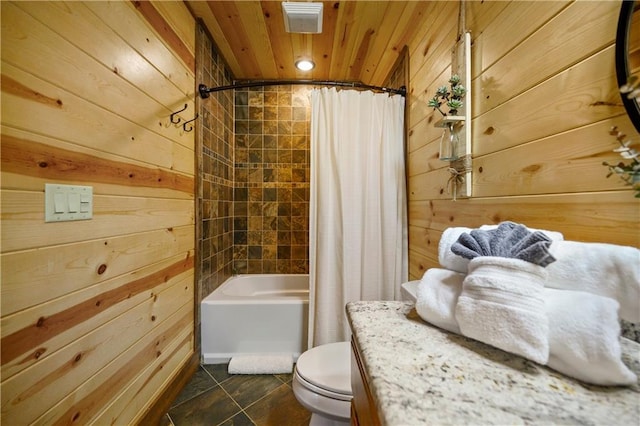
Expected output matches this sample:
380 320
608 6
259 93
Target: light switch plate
67 202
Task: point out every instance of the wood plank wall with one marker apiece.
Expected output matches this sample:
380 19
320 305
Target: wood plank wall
544 98
97 316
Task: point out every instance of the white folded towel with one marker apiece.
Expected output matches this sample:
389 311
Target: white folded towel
437 297
452 261
583 328
584 337
501 304
603 269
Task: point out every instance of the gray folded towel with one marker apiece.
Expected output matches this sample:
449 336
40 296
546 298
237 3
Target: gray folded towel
510 240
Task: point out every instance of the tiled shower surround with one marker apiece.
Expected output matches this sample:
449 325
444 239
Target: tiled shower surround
253 176
271 201
214 186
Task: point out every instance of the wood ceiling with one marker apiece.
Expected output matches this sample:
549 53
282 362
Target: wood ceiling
360 41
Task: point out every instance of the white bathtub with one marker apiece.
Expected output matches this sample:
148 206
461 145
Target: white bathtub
255 313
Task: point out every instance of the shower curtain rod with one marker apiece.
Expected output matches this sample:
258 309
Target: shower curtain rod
204 90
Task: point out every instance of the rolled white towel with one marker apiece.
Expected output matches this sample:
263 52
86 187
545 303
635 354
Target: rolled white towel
583 327
604 269
452 261
437 296
584 337
501 304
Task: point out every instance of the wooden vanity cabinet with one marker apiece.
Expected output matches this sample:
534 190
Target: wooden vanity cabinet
363 406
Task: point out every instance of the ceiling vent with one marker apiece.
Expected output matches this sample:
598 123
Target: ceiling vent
302 17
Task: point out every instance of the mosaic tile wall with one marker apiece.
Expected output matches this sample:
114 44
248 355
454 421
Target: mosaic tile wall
271 207
214 186
399 75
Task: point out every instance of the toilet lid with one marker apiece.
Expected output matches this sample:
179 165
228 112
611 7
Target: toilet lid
328 367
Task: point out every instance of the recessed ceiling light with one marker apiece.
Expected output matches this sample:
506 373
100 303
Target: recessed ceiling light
305 65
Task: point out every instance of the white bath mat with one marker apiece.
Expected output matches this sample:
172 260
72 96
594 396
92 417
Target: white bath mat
261 364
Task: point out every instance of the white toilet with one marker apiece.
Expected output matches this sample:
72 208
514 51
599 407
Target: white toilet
322 377
322 383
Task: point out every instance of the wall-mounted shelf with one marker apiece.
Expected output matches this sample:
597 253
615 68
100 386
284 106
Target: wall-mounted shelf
450 119
461 167
455 142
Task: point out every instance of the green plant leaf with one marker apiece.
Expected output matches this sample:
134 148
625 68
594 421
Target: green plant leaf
443 91
455 104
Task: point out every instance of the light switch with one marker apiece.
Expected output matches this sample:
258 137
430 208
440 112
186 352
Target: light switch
74 202
68 202
59 202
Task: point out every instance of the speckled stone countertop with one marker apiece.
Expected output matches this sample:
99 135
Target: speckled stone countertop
420 374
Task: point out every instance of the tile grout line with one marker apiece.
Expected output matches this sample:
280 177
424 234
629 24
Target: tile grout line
238 404
170 419
243 409
265 396
219 383
199 393
209 374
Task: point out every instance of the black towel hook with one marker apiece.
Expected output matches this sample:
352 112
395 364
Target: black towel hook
184 126
174 114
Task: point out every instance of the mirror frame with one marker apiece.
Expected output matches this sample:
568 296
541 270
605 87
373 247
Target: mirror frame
622 59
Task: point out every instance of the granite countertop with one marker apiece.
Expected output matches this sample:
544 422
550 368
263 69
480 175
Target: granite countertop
420 374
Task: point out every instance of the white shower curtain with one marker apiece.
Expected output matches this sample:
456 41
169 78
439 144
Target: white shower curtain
358 226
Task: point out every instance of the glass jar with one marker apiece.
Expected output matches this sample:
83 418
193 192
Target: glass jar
450 149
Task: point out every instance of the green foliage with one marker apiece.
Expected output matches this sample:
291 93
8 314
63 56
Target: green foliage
454 105
452 96
629 171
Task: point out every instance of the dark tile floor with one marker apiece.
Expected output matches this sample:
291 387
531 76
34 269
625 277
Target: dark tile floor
214 397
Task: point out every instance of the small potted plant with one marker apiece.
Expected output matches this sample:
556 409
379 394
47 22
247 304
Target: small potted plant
451 96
